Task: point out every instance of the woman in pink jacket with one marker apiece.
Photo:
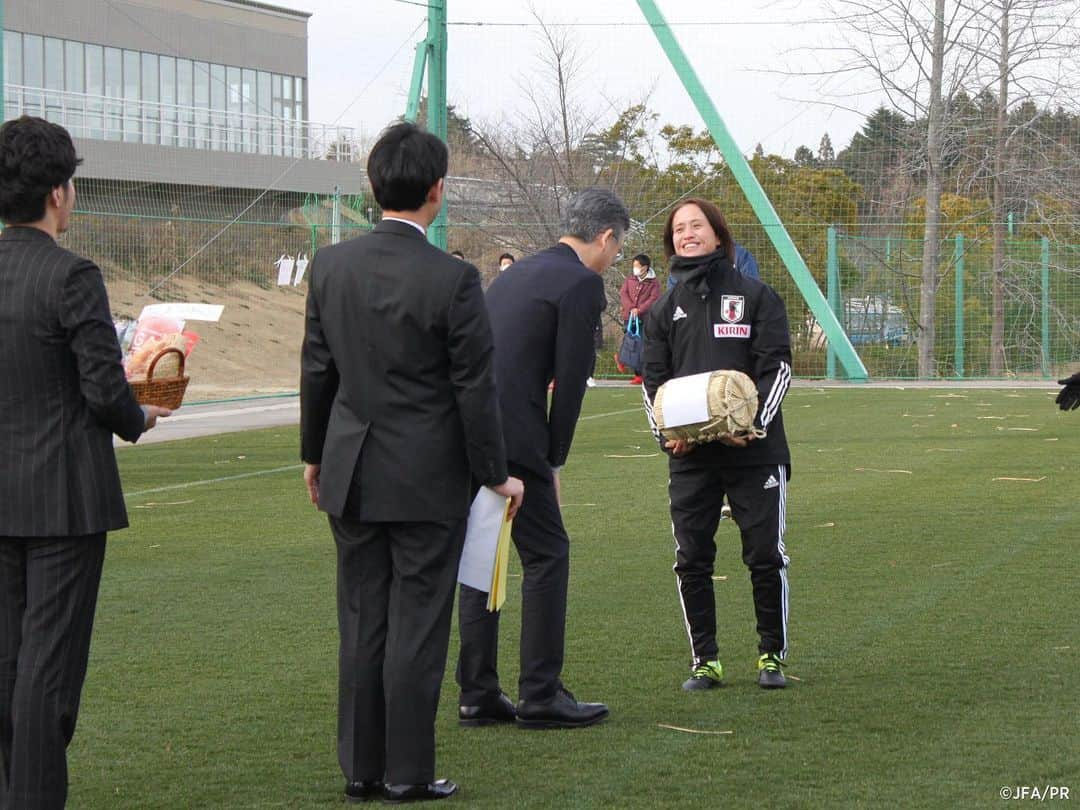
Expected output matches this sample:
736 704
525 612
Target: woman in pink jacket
638 293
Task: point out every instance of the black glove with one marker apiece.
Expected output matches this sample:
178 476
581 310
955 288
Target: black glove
1068 399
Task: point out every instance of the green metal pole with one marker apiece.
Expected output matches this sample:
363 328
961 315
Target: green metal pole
412 108
755 194
335 217
832 289
436 110
1046 306
958 260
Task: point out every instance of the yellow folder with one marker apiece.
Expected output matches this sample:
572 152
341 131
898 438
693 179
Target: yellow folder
497 593
486 553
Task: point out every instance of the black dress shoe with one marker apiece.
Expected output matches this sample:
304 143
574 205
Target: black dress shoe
562 711
498 709
364 790
399 794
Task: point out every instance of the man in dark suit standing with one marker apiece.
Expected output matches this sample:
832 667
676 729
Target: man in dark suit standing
543 315
398 413
63 395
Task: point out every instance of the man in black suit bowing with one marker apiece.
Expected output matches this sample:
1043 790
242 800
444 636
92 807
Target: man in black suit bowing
63 395
398 413
543 315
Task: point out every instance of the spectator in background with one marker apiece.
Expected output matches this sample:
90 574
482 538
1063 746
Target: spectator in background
505 261
639 292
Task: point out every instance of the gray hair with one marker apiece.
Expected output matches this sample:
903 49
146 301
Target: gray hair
592 211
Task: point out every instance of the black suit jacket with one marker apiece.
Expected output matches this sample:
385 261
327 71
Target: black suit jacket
62 393
397 393
543 310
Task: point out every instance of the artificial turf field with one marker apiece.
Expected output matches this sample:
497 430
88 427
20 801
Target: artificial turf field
934 588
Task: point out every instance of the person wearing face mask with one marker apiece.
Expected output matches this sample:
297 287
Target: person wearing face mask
718 318
505 260
639 292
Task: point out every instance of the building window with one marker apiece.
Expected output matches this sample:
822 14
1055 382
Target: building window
185 103
200 79
54 79
167 68
13 72
95 92
236 95
72 113
132 113
140 97
249 101
264 108
217 106
151 112
33 73
114 91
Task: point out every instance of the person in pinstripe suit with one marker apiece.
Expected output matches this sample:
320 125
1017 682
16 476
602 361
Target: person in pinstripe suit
63 395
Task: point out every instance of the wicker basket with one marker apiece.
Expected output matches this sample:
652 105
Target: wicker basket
168 392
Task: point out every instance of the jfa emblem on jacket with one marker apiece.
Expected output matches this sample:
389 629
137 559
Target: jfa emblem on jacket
732 307
731 310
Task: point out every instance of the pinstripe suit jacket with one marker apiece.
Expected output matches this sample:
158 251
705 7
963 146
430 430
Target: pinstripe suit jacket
62 393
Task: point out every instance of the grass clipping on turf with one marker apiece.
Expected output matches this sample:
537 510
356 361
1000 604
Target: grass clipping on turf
692 730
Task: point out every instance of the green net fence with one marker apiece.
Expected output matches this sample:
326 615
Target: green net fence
952 256
876 297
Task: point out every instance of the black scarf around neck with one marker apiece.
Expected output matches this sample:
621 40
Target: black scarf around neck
694 271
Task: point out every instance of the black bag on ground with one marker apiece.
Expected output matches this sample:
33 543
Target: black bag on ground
633 345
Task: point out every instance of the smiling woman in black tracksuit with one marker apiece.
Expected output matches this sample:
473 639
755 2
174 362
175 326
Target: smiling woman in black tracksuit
716 318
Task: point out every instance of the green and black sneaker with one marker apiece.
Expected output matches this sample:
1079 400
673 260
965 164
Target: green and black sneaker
704 676
770 672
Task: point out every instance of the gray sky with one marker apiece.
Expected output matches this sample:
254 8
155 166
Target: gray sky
361 54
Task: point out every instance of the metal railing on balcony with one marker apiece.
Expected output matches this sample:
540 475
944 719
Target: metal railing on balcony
110 118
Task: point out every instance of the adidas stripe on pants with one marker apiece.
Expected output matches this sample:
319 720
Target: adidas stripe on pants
757 496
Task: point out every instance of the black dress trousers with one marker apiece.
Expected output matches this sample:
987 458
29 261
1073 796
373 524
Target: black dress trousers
544 548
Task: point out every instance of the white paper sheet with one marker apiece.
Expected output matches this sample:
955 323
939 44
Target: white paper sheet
301 266
190 312
482 539
285 270
686 400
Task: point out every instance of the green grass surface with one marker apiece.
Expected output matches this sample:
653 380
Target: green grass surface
933 625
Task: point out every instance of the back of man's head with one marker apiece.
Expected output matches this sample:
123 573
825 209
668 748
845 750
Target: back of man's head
592 211
35 157
404 164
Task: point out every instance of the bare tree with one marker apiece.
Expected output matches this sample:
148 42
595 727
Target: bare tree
913 52
935 60
538 154
1027 44
931 227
